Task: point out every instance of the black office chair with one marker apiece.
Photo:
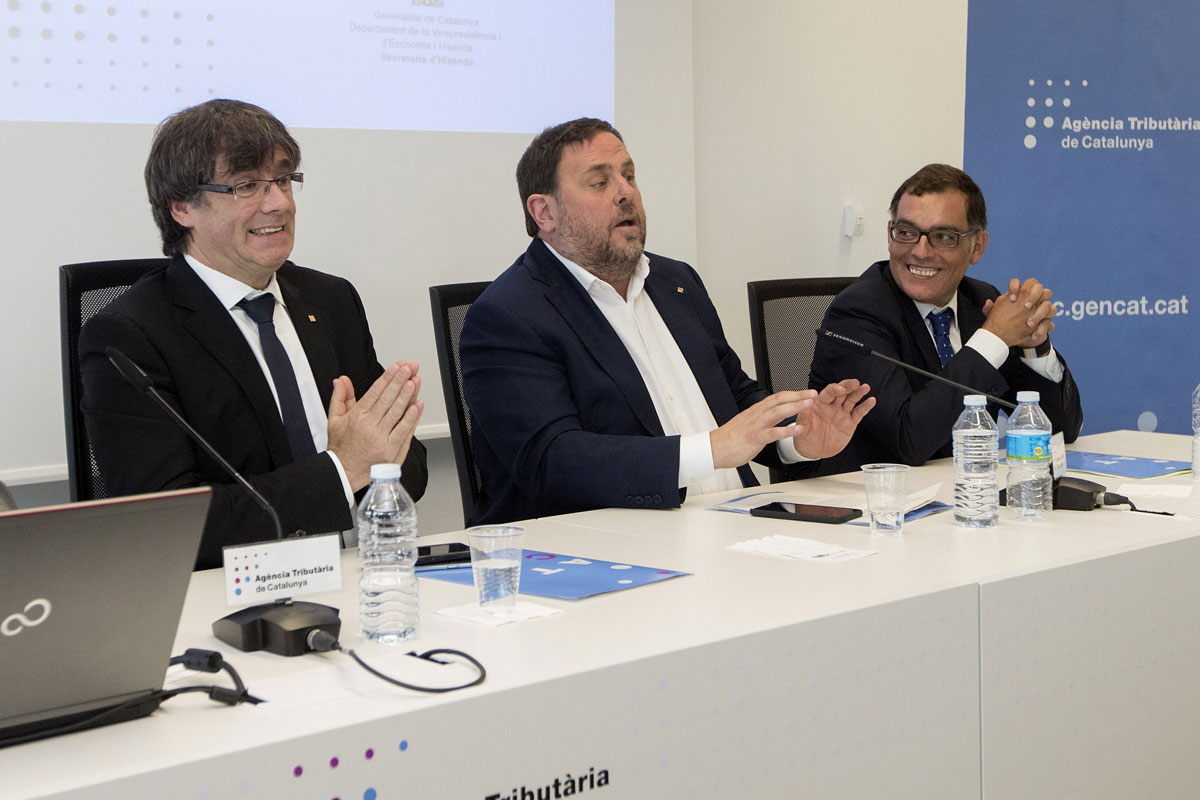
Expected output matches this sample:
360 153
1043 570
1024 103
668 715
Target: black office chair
450 303
84 289
6 499
784 316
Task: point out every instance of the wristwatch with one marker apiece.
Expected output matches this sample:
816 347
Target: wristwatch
1042 349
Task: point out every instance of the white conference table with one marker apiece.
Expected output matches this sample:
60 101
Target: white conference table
1053 660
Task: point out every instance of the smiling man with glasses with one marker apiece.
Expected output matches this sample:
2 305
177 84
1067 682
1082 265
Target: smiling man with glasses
919 307
273 363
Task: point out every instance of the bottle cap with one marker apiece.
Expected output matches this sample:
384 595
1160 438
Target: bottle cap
1028 397
384 472
974 400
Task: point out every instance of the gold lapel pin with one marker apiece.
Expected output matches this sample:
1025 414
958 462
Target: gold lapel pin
311 318
679 289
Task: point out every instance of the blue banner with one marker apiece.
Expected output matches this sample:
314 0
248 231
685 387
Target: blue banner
1083 130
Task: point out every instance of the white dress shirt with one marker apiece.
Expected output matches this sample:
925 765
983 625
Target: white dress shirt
989 345
229 292
678 401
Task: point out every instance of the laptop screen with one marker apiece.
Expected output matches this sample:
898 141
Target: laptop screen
90 599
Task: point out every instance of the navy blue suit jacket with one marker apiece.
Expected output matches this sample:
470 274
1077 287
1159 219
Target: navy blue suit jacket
562 419
912 420
172 325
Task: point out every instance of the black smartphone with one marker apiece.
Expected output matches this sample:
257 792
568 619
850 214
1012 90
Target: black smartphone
449 553
806 513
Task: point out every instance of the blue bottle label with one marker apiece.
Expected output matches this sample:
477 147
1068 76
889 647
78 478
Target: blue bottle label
1028 446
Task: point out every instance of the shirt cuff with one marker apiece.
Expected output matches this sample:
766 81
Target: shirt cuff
695 458
990 346
1048 366
788 453
337 462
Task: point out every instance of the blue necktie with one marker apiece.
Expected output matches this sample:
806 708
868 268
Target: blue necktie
941 333
262 310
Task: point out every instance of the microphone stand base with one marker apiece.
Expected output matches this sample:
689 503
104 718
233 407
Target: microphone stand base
281 628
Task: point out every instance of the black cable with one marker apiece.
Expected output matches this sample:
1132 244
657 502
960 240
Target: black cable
193 659
1114 499
89 722
212 661
323 642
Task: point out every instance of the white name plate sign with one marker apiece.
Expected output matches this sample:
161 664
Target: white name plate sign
272 570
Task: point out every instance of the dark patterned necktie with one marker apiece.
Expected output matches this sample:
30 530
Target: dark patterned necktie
262 310
941 333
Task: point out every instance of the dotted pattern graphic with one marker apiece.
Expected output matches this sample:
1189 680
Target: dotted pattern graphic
243 565
1057 94
368 755
112 47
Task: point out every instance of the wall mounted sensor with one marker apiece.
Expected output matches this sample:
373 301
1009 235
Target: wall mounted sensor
852 220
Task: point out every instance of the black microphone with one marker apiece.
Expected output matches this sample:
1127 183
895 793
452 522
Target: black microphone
859 347
280 627
139 380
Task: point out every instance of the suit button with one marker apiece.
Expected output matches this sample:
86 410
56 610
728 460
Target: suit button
639 500
628 498
657 499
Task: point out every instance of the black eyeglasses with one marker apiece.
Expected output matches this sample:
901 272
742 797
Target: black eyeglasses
944 238
287 184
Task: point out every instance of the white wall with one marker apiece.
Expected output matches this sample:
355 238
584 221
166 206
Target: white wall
803 106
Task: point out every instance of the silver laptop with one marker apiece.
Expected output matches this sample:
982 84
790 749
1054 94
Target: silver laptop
90 599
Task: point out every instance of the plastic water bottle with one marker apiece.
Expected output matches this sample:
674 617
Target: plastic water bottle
1196 434
976 488
388 606
1029 480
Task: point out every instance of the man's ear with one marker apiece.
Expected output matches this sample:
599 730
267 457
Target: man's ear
181 212
544 210
981 242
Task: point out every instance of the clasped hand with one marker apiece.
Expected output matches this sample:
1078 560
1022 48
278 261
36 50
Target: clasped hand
1023 316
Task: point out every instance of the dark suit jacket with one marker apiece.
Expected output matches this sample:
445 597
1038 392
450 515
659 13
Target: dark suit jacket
174 328
914 415
562 421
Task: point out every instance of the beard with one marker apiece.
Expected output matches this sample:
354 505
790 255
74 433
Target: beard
596 249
